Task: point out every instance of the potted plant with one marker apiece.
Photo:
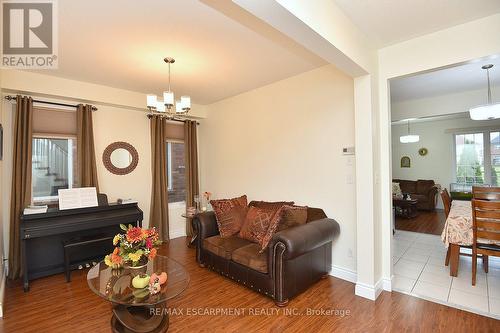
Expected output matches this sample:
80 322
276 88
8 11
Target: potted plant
133 248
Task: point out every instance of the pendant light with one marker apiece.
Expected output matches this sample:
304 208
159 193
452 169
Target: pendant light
409 138
490 110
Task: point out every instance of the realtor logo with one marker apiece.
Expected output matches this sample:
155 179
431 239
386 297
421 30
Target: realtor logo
29 38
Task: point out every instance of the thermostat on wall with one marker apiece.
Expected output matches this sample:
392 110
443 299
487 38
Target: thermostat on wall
348 150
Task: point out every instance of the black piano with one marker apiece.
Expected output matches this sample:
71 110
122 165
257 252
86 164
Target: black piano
43 235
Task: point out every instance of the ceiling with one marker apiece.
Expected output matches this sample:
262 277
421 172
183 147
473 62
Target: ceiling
122 44
388 22
455 79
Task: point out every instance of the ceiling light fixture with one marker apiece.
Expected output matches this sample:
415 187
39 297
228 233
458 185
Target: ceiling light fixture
490 110
409 138
166 107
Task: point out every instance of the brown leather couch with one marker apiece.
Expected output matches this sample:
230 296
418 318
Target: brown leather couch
295 259
425 191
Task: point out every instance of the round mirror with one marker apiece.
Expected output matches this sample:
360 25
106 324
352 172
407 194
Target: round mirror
120 158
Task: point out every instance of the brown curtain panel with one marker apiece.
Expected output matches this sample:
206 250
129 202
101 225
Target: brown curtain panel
191 156
87 166
159 195
21 179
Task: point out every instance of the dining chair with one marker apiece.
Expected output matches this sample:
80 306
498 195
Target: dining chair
486 231
486 193
445 196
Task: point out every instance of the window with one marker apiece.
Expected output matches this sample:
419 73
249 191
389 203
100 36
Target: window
53 166
176 176
477 158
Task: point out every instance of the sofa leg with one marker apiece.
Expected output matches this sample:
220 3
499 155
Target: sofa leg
282 303
325 276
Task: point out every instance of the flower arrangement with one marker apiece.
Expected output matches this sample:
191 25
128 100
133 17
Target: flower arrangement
207 195
135 246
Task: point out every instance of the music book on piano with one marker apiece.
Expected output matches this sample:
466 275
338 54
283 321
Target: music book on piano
77 198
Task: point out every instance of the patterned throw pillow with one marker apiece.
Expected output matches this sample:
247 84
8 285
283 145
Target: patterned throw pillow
292 216
230 214
273 226
256 224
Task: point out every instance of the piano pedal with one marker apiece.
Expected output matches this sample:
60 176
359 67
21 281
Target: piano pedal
80 267
94 263
87 265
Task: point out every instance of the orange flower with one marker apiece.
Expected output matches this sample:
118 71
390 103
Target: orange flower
115 257
135 234
152 253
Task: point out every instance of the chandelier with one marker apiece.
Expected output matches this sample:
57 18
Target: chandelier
165 107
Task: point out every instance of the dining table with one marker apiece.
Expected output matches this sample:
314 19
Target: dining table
458 232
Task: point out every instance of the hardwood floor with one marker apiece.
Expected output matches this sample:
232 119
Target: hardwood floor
425 222
52 305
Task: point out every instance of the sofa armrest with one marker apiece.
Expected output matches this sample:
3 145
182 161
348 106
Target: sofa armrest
307 237
205 225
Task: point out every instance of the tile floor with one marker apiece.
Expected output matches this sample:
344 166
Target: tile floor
419 270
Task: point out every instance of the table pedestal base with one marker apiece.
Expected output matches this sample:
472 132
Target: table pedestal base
140 319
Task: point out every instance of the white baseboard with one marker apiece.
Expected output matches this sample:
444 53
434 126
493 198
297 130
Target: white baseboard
387 284
344 273
369 291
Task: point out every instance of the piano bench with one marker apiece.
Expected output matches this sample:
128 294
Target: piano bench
80 245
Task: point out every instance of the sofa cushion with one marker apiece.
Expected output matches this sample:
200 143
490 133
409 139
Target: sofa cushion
256 224
224 247
273 205
230 214
292 216
273 226
314 214
420 197
408 186
423 186
251 257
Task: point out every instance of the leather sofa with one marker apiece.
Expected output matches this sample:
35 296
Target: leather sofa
296 257
425 191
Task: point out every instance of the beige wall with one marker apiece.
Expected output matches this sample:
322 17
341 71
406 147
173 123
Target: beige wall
284 142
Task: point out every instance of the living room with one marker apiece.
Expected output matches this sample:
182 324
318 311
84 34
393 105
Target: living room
288 108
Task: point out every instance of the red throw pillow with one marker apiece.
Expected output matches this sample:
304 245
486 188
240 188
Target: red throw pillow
256 224
230 214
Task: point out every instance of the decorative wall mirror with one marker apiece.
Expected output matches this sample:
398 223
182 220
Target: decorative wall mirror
120 158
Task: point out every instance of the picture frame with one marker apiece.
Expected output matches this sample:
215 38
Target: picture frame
405 162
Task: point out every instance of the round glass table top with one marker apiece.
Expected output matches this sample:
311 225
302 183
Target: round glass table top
115 285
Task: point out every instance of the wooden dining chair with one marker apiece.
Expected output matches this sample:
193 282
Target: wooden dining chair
486 193
485 228
445 196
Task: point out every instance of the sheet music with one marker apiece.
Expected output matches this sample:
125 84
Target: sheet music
77 198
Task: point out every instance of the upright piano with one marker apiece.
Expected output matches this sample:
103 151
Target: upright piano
42 235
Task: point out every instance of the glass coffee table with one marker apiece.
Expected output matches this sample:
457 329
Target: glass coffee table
136 310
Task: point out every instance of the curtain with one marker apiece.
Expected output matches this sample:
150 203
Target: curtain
21 179
159 195
191 160
87 166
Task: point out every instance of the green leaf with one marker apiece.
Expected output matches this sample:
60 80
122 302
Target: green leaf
130 226
123 227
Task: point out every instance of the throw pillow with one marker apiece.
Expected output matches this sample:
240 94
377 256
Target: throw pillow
273 226
292 216
273 205
230 214
256 224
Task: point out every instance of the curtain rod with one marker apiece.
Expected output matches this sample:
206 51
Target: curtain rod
149 115
13 98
